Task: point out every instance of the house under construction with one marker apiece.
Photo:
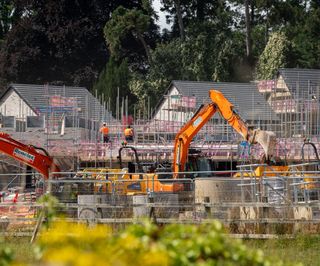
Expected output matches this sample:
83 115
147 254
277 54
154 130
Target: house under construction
65 120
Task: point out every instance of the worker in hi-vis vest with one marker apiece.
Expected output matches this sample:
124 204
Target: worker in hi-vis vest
104 130
128 134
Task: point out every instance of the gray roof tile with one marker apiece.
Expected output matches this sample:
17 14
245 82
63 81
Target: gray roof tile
249 103
37 96
300 79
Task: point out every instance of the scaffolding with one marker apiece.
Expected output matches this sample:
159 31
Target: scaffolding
70 125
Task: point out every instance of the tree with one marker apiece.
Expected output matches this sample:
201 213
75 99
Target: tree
6 8
115 77
203 56
186 13
177 8
248 30
305 39
123 22
10 13
274 56
167 58
60 42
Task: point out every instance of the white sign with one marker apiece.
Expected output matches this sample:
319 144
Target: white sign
23 155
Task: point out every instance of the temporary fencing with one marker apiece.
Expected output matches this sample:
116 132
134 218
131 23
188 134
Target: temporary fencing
246 202
276 201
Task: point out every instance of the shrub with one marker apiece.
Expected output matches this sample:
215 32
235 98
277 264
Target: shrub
146 244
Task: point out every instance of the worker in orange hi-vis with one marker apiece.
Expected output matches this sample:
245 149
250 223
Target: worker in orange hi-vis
128 134
104 130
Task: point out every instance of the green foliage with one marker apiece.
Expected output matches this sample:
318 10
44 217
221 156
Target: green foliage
146 244
6 17
274 56
115 76
167 58
301 249
147 91
260 39
197 58
195 11
305 40
50 205
123 22
201 57
6 256
63 42
16 251
58 42
147 7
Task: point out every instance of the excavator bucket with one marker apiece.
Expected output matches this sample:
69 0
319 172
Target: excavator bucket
267 139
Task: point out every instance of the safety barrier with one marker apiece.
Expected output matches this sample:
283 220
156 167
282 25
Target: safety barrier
247 202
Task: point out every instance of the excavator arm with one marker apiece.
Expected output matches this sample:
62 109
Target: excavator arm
226 109
28 155
186 134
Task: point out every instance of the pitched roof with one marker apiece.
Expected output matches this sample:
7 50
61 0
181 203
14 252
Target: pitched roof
246 98
300 79
37 97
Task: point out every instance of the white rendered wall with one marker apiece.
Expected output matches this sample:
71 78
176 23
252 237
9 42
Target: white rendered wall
13 105
167 110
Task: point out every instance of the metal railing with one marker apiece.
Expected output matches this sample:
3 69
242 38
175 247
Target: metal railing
273 202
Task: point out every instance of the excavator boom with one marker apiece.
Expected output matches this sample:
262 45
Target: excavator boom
28 155
219 103
226 110
186 134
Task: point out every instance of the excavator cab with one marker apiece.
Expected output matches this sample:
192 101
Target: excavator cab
135 166
143 177
201 165
198 165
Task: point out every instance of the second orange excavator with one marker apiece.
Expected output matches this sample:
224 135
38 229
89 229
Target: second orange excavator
35 157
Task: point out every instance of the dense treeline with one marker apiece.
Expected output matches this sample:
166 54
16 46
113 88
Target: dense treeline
52 41
116 45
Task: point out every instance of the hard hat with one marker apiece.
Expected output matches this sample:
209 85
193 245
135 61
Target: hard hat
104 123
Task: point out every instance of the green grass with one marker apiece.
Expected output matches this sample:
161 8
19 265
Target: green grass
301 249
23 250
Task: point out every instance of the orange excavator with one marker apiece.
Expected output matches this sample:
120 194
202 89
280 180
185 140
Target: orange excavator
133 182
36 157
137 182
219 103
